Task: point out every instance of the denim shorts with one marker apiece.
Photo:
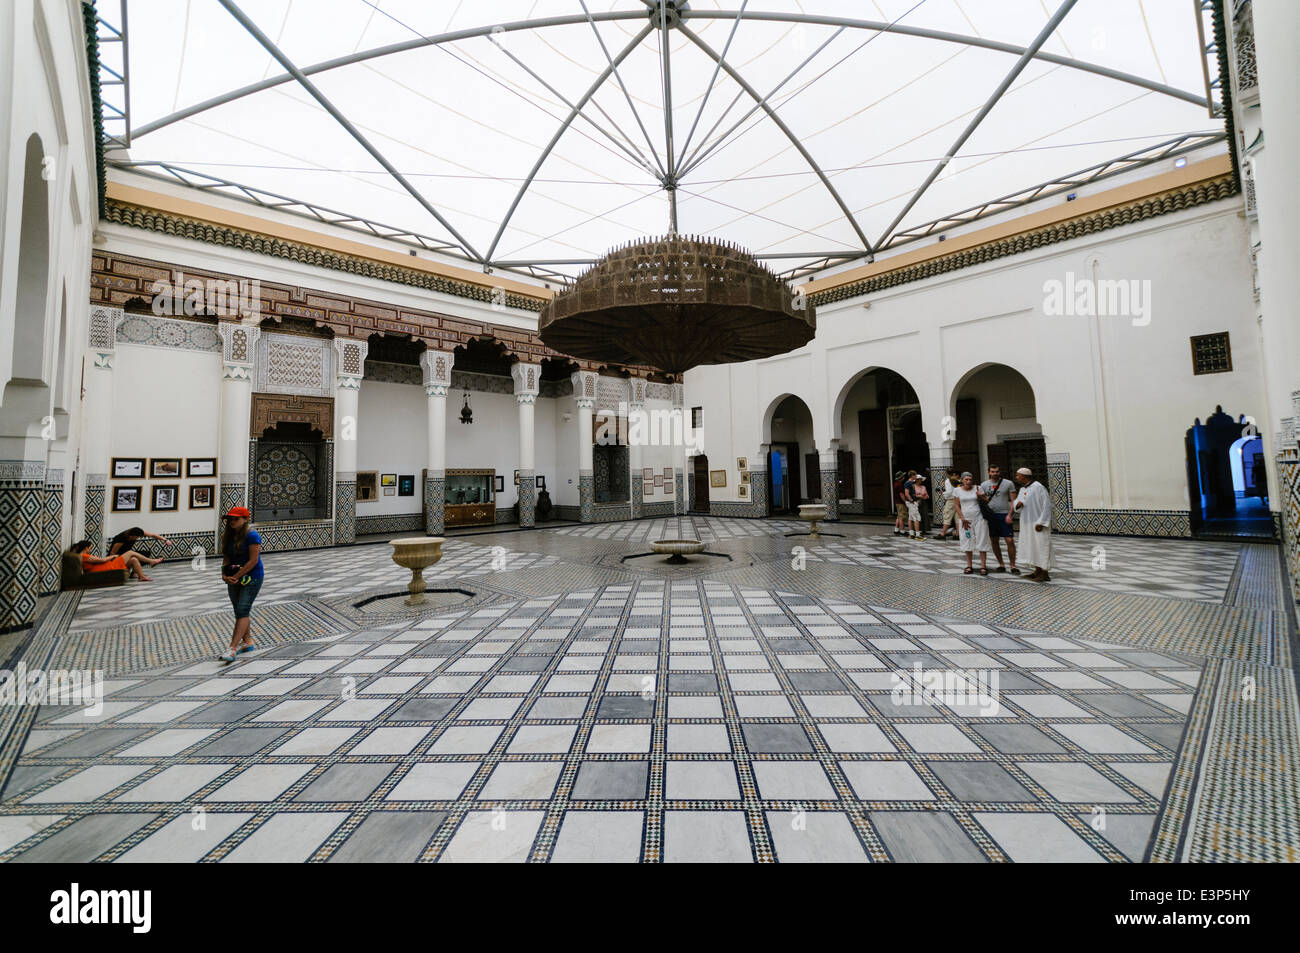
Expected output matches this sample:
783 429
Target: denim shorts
241 597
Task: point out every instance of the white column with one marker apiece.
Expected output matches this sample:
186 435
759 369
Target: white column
349 369
528 378
237 354
97 408
437 367
635 452
681 460
584 395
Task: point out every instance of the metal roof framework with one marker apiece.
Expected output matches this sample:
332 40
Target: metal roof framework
666 165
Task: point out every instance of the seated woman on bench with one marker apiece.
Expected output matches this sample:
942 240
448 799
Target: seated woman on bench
129 561
125 542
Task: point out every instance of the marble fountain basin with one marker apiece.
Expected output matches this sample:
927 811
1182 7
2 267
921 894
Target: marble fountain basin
417 553
677 549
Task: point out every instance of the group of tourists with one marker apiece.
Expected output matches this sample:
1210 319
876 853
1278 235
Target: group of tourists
980 516
983 515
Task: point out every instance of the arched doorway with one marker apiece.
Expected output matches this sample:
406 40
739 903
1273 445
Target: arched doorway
1227 486
880 422
791 478
996 422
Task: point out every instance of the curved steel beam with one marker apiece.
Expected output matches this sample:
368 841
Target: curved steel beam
1048 29
879 25
343 121
882 26
794 140
362 55
573 114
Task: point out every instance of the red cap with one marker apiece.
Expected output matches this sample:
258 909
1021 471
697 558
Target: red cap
240 511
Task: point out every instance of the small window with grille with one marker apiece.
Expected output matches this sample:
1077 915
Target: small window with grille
1211 353
697 416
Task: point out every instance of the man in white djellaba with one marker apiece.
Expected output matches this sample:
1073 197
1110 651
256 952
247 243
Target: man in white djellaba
1034 545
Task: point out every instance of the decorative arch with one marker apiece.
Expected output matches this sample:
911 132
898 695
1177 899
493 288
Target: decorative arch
30 306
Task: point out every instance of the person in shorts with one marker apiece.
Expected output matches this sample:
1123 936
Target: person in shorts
950 484
900 504
1001 494
242 572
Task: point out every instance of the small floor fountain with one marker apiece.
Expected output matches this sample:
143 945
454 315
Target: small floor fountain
812 514
417 553
676 550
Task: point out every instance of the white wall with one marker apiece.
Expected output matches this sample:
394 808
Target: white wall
1117 397
392 437
44 91
997 391
166 403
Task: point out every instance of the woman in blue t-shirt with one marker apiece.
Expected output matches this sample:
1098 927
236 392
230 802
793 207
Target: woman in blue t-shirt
241 571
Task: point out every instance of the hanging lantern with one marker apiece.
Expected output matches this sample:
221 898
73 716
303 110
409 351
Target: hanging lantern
675 303
466 415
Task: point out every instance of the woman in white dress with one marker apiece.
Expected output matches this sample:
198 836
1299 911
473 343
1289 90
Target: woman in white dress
974 532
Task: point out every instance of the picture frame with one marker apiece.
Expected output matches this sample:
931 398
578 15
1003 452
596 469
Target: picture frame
499 483
648 473
202 496
742 463
647 488
128 468
367 486
164 497
126 499
388 479
668 474
200 467
744 477
541 483
390 491
516 478
164 468
742 491
406 484
659 479
717 478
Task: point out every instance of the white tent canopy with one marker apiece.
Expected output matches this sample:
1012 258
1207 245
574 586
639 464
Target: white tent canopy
543 132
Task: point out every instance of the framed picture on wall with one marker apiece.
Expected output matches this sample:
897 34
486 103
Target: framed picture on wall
742 463
717 478
516 478
406 484
744 477
367 485
647 488
659 479
648 473
541 483
499 483
200 466
390 491
742 491
126 499
164 467
164 497
388 479
128 468
668 474
201 497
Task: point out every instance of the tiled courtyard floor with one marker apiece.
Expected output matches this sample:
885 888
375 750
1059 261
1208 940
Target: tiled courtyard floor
731 711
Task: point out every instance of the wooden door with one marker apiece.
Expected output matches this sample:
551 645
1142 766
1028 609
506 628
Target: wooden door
877 481
845 477
702 483
966 441
812 469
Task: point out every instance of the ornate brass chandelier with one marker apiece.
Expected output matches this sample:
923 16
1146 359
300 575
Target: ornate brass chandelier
674 303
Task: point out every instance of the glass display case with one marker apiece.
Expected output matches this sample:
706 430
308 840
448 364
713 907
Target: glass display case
470 500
